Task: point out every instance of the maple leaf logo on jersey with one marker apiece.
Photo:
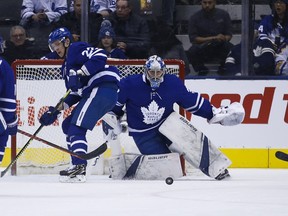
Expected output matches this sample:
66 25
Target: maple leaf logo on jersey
153 113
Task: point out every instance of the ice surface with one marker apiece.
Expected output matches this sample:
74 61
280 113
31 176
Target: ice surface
249 192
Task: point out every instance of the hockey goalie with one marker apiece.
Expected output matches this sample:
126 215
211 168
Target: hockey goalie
161 134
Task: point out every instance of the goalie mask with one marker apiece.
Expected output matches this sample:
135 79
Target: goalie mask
58 37
154 70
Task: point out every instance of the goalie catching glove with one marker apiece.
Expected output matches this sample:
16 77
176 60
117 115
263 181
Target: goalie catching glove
228 115
49 116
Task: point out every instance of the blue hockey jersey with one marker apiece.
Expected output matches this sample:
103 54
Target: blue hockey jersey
92 61
268 28
147 109
263 58
7 91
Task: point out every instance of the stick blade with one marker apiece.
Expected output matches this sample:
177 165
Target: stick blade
281 155
3 172
98 151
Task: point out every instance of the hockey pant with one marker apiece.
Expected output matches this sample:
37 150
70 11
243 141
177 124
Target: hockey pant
84 117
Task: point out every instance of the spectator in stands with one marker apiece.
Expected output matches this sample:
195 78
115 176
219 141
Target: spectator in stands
37 17
281 61
168 11
19 46
262 61
72 21
164 43
274 27
132 31
103 7
41 11
108 43
273 34
210 31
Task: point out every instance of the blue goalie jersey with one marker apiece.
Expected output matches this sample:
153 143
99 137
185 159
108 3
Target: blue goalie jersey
147 108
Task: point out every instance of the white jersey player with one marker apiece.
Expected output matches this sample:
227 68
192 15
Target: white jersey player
103 7
44 12
158 131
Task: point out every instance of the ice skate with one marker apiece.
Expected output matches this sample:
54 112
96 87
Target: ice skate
223 175
75 173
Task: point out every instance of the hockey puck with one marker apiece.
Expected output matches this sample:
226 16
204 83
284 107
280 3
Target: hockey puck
169 181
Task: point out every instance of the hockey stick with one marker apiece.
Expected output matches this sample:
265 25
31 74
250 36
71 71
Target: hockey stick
281 155
98 151
32 137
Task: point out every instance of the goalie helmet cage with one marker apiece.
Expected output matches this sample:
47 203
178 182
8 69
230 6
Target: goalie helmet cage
39 84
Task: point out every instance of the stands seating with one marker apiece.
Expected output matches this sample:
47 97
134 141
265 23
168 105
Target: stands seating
183 13
9 16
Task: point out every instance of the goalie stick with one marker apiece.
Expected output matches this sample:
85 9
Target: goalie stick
98 151
281 155
13 161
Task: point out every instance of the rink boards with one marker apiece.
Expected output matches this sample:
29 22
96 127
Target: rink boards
251 144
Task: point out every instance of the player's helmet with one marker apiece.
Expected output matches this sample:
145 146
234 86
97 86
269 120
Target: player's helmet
59 34
155 69
1 45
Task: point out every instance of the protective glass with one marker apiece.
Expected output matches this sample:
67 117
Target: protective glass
56 44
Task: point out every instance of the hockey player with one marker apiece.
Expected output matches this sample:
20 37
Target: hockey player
94 88
263 57
157 130
8 117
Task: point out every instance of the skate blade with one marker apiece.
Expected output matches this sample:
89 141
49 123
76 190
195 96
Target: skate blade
76 179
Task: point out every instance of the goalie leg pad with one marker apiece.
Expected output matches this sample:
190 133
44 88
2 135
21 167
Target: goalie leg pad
117 166
145 167
196 148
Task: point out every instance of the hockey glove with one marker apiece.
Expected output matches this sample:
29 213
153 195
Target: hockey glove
228 115
74 81
49 116
12 126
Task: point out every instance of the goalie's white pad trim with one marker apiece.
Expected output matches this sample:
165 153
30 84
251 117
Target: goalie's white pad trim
111 119
228 115
196 148
148 167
